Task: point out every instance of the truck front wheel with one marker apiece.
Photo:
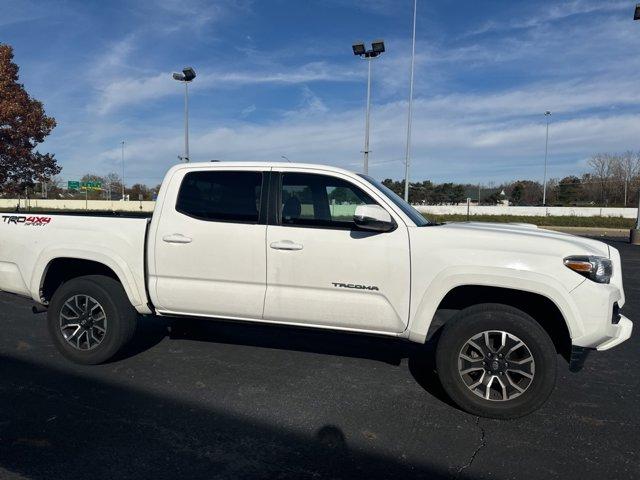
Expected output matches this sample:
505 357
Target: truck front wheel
90 319
496 361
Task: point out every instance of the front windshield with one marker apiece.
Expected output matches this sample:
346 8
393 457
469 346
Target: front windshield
407 209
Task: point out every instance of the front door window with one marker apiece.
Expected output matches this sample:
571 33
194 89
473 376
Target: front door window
320 201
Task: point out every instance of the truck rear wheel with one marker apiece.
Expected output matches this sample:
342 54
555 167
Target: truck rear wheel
90 319
496 361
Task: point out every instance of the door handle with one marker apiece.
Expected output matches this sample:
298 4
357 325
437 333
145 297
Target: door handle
176 238
286 245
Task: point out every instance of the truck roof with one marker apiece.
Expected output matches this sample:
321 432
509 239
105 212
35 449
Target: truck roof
262 164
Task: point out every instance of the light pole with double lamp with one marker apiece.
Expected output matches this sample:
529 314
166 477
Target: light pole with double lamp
377 48
187 75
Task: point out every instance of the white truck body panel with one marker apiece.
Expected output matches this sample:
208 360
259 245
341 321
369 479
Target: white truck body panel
28 247
387 283
220 272
301 284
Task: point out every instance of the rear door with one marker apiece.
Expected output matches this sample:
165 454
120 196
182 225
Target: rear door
321 269
209 256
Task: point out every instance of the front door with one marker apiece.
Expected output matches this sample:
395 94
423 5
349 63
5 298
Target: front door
322 270
210 255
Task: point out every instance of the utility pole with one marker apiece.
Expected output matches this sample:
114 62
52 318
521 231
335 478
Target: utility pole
547 114
123 170
407 159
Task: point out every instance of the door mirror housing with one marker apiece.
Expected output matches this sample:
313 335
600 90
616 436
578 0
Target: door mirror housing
373 217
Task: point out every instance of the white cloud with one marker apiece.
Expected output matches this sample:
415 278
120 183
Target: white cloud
557 11
18 11
245 112
568 97
478 109
446 146
120 93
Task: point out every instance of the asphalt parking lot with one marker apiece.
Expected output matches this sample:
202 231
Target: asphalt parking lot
221 400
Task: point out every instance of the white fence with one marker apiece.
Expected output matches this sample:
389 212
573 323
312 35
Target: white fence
147 206
529 211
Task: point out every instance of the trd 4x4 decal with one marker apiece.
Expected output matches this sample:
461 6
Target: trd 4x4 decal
27 221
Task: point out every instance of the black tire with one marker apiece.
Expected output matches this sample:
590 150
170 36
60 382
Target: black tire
121 318
496 317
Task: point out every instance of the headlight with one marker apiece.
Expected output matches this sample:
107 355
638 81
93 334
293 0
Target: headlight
598 269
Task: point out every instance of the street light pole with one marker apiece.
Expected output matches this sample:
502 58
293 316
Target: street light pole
186 122
367 116
634 236
410 114
377 48
123 170
187 75
547 114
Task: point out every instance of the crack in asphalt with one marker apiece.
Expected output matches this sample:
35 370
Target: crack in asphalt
483 443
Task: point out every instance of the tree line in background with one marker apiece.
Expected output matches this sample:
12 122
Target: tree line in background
613 179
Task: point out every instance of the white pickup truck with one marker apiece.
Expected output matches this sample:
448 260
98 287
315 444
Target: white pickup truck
317 246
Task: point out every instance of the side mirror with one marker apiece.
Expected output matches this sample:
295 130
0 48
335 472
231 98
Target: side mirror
373 217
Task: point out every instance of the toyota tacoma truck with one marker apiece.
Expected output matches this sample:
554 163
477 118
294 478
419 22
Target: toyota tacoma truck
321 247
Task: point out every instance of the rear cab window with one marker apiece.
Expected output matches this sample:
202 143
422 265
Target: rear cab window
221 196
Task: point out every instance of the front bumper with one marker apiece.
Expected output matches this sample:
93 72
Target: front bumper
617 334
621 332
598 323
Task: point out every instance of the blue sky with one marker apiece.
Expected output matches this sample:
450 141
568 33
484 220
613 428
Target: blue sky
277 77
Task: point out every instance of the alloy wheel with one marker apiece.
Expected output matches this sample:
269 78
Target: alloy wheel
496 365
83 322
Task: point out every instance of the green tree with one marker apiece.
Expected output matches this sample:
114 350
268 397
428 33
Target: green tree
138 190
517 193
397 187
570 190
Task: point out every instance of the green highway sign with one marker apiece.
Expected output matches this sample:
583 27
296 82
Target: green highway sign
91 186
75 185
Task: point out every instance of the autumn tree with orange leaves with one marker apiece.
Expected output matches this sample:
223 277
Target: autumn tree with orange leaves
23 125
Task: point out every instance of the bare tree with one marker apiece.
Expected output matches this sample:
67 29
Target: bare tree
602 168
626 168
113 184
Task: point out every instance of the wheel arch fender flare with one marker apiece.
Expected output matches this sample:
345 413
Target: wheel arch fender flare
428 302
109 259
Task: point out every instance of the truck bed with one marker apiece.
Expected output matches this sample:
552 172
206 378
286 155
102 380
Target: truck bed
30 241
